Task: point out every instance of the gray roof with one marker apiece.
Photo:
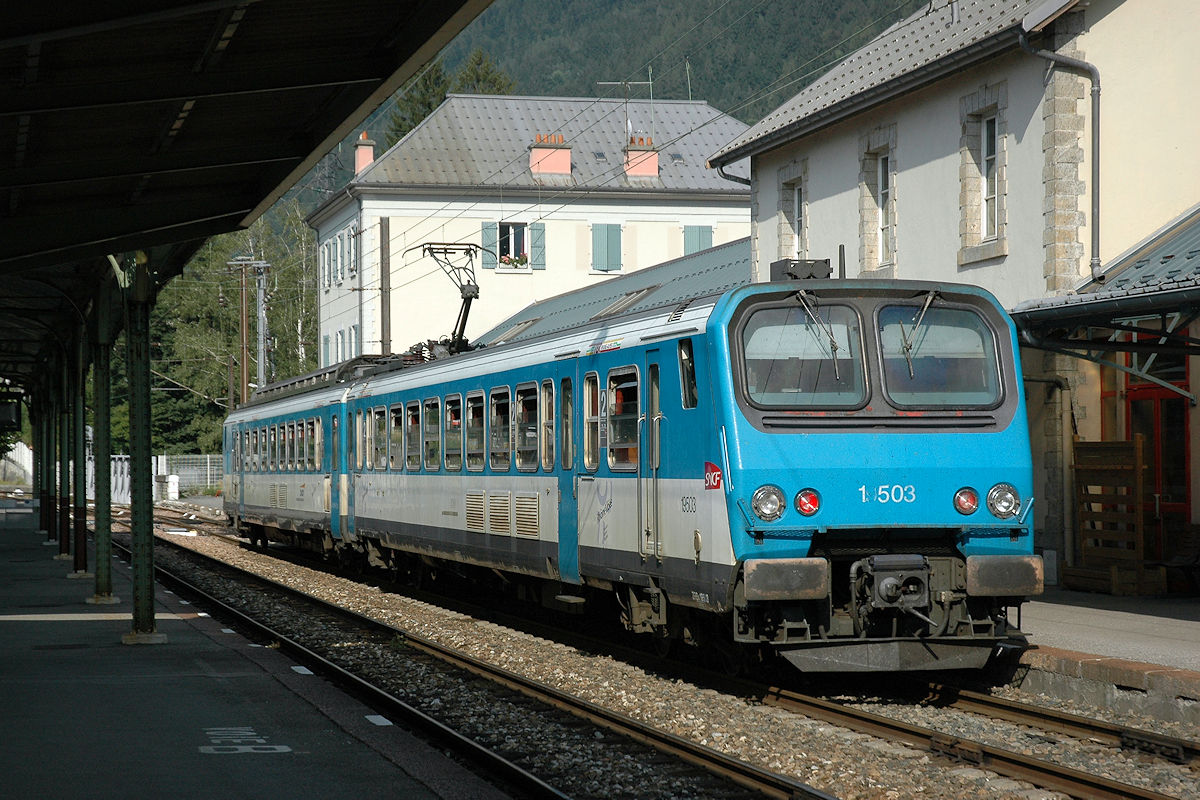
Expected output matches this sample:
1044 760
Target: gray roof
1159 274
673 283
929 45
484 140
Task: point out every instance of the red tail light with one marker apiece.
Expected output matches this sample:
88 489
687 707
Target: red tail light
808 502
966 500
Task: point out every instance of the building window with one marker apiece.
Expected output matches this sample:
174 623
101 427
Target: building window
696 238
883 202
606 247
325 362
793 235
982 185
987 177
513 245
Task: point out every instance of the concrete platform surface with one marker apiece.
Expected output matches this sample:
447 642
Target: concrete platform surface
207 714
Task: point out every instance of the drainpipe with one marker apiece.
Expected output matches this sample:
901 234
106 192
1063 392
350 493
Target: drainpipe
1094 73
735 178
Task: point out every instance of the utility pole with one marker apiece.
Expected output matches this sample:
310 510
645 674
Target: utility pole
241 264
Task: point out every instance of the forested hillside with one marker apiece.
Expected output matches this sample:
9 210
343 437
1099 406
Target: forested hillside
744 57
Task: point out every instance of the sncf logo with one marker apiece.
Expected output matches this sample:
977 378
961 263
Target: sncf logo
712 476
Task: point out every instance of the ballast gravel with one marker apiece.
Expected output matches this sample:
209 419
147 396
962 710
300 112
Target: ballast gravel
836 760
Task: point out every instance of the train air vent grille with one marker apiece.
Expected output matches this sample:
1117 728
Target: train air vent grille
527 515
283 495
499 507
476 512
273 495
677 314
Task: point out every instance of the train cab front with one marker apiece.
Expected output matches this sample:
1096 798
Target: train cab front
881 481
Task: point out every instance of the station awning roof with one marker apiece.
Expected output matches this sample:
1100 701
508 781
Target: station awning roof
149 125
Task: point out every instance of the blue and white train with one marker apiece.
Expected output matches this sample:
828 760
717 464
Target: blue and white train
836 471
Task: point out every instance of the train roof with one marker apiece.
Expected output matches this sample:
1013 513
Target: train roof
672 283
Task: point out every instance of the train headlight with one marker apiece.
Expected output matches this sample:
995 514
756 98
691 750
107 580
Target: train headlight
1003 501
808 502
768 503
966 500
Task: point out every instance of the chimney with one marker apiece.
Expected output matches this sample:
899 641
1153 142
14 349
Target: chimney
364 153
641 159
548 155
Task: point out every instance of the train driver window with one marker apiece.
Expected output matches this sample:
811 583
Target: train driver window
454 438
566 426
433 434
396 424
547 406
591 421
381 438
412 435
623 419
687 374
474 432
500 449
527 428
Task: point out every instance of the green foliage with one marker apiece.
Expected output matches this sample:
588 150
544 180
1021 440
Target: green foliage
744 59
417 100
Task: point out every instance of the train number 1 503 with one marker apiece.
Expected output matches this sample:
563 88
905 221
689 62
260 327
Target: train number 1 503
885 493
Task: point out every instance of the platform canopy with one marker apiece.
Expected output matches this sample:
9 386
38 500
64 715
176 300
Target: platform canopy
145 126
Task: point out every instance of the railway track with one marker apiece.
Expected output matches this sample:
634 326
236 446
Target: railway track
1005 762
756 780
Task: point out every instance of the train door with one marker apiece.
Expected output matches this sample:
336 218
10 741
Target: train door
650 455
241 457
568 529
354 432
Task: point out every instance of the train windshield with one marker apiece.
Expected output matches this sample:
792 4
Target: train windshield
938 357
804 355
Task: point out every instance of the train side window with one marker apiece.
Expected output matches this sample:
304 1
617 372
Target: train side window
291 446
301 462
381 438
500 426
623 411
310 445
653 416
254 459
412 435
247 452
527 428
566 425
362 442
396 425
591 421
433 434
687 374
272 442
474 432
318 442
454 437
547 426
335 443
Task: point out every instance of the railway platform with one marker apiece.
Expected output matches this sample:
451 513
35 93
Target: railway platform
207 714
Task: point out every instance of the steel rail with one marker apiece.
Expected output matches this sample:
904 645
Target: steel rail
377 698
747 775
1179 751
1044 774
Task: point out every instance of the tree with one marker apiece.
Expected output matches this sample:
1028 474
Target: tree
423 94
417 101
480 75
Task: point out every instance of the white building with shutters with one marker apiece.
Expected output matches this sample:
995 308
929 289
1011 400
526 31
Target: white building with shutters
557 192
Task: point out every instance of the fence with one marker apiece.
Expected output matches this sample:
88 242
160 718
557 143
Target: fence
197 473
17 465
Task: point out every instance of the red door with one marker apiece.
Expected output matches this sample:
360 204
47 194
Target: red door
1161 416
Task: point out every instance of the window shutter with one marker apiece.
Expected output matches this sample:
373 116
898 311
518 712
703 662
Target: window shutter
490 237
537 245
614 247
696 238
325 351
599 247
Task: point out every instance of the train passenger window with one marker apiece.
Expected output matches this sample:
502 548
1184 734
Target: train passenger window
412 435
272 439
254 450
381 438
547 405
318 440
396 423
291 445
687 374
591 421
433 434
301 462
454 439
527 428
500 426
566 425
623 419
474 432
359 441
247 452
